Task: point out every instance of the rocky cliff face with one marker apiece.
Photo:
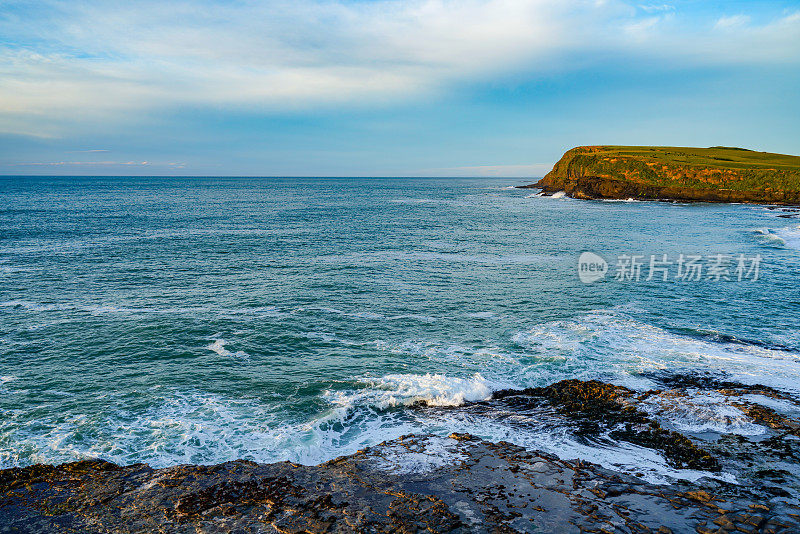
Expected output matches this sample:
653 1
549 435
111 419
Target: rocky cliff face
449 484
667 173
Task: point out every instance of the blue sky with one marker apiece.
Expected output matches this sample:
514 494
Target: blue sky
386 87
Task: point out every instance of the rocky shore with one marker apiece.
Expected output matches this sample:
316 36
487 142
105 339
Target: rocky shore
717 174
458 483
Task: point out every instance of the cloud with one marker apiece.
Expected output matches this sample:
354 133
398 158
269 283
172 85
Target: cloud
172 165
81 163
735 21
69 63
656 7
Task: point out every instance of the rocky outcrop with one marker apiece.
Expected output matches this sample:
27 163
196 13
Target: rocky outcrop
599 407
455 484
678 174
413 484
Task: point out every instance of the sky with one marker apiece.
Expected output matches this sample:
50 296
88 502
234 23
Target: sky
385 87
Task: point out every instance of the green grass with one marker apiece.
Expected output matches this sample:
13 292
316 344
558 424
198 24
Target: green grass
727 157
702 168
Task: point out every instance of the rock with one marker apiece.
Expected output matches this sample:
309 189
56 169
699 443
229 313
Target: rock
455 484
597 407
498 488
717 174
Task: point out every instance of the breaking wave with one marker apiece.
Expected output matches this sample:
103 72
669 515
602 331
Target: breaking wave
606 344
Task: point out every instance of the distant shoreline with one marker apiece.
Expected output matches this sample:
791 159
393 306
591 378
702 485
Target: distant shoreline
717 174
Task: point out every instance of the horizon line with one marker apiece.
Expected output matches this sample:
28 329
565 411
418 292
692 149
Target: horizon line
250 176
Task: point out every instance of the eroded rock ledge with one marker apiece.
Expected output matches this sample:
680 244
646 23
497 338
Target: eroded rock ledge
425 483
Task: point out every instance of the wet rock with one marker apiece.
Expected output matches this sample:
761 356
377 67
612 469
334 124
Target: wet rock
456 484
597 406
496 487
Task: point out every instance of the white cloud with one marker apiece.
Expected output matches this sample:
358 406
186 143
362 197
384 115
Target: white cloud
91 60
735 21
643 29
656 7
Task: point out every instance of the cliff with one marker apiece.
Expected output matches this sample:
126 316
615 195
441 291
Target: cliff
717 174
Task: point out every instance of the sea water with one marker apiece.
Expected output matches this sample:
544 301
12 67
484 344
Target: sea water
200 320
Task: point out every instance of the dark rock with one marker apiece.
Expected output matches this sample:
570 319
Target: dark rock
597 406
467 486
455 484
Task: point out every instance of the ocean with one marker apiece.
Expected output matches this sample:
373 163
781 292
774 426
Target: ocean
200 320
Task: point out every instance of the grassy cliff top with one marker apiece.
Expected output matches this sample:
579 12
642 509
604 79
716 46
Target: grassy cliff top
686 168
718 156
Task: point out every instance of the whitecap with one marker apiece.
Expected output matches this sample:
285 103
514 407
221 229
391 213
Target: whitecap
482 315
408 389
626 350
218 346
790 236
768 238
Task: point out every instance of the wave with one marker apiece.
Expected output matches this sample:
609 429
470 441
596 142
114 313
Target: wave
719 337
541 194
109 309
697 412
429 389
5 379
208 429
790 236
779 212
482 315
66 246
368 315
768 238
218 346
611 345
605 344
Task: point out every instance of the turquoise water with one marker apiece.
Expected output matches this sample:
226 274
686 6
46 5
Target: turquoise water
173 320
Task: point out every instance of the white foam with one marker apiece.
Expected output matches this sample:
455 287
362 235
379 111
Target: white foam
623 348
111 309
779 405
701 412
768 238
200 428
619 456
5 380
218 346
420 457
482 315
790 236
407 389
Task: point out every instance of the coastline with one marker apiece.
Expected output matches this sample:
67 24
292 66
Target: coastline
596 188
458 483
679 174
